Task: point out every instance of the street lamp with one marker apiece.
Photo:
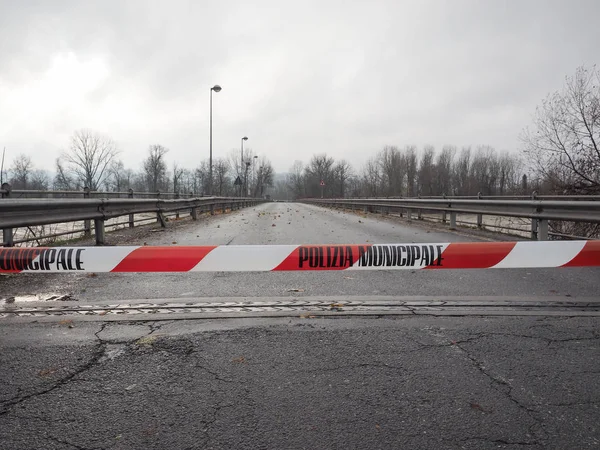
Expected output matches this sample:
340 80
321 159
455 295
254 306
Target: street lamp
254 169
245 138
215 88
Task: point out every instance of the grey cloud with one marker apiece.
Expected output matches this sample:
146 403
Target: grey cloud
338 77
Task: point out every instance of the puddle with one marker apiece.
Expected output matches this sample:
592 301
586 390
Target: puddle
39 298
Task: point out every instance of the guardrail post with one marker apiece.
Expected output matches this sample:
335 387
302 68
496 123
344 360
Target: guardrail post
159 217
452 220
7 233
534 229
177 212
444 218
99 231
420 214
131 216
409 214
212 209
479 220
87 224
542 230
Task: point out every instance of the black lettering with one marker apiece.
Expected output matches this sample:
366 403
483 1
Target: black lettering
365 256
377 256
50 258
387 255
302 256
416 254
79 264
439 255
336 251
61 260
18 259
424 255
347 257
33 264
402 259
69 259
313 257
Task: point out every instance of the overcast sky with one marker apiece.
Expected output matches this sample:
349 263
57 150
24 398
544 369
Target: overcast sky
302 77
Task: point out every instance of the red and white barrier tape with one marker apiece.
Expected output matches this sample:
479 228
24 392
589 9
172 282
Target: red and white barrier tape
264 258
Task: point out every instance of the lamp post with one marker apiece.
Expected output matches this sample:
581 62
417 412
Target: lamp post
245 138
254 170
215 88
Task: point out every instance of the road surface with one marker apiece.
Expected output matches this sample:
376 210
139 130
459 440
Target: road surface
289 223
495 375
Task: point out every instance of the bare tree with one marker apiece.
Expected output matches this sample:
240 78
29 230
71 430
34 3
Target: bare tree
155 167
411 170
443 180
220 173
393 171
342 171
89 156
564 142
320 168
62 180
265 177
177 174
21 170
296 179
39 180
426 173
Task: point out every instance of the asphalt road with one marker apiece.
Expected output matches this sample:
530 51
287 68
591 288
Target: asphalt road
387 383
283 223
345 375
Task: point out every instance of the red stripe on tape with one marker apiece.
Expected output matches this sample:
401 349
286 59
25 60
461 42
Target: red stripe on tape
163 259
322 257
588 256
473 255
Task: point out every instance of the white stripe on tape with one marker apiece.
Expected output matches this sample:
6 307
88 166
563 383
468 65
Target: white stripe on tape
541 254
246 258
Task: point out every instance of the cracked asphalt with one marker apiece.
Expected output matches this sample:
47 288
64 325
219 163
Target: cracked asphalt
303 382
404 382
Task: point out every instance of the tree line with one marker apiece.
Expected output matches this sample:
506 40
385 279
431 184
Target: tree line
559 154
411 172
92 161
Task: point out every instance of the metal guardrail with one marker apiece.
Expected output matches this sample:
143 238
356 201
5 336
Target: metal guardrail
539 211
34 212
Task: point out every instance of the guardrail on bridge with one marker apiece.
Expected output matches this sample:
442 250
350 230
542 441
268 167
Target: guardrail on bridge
30 212
539 211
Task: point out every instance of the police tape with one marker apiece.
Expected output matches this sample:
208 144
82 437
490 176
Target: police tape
263 258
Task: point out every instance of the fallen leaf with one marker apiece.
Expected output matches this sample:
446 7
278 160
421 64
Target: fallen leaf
377 426
146 340
296 290
103 313
240 360
273 225
94 275
46 372
553 291
360 221
66 322
174 242
477 407
307 316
